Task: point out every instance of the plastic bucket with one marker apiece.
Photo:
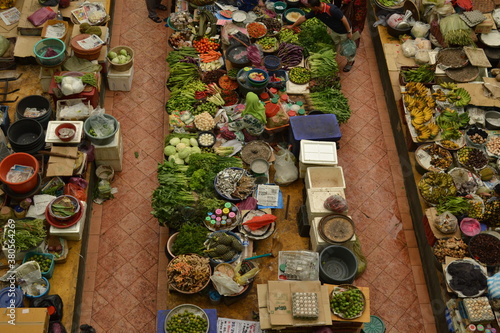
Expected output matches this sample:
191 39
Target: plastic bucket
376 325
492 120
104 140
21 159
126 66
46 282
37 102
292 10
26 136
90 54
337 265
41 47
279 7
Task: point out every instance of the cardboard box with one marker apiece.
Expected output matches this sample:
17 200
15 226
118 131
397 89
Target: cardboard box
27 320
24 26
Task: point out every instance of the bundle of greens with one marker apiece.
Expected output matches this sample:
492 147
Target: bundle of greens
455 31
29 233
330 100
190 239
184 52
313 36
323 63
182 96
455 205
182 73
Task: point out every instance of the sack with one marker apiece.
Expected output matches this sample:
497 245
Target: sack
409 48
447 223
47 301
348 48
41 16
286 170
420 29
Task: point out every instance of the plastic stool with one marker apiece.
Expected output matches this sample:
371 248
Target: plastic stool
376 325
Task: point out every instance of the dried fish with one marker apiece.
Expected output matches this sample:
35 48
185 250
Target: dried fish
235 183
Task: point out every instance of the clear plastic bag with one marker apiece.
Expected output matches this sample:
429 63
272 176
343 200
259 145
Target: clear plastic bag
409 48
420 29
102 126
286 170
446 223
348 48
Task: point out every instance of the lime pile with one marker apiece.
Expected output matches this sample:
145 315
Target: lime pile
43 262
187 322
349 303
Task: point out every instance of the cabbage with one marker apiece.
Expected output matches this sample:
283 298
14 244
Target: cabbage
169 150
193 142
185 152
180 146
174 141
196 150
115 60
112 55
123 52
122 59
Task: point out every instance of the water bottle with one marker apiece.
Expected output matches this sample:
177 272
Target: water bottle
246 249
59 16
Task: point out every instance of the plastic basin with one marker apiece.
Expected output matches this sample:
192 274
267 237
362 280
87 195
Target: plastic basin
43 294
21 159
41 48
26 136
37 102
46 274
101 141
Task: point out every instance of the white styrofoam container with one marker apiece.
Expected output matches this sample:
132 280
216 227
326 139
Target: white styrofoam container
315 199
324 176
51 137
116 164
110 151
74 232
318 243
318 152
120 81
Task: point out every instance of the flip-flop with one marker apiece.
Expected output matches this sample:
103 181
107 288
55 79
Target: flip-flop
348 67
162 7
155 19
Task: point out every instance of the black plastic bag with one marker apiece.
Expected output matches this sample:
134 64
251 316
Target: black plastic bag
48 301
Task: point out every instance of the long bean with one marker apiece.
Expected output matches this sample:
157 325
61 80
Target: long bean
333 101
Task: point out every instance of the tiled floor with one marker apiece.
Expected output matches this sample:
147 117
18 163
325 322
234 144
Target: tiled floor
125 276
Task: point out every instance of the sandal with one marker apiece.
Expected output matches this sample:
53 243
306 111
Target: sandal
155 19
348 67
162 7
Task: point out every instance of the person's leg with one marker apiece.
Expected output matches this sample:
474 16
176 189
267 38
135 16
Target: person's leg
151 6
159 6
338 39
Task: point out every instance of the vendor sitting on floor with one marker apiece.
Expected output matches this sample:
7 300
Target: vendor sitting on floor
339 27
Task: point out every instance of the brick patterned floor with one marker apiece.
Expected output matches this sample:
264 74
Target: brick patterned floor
125 277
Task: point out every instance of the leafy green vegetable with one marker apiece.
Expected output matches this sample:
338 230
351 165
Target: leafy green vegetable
331 100
190 239
455 205
313 36
29 234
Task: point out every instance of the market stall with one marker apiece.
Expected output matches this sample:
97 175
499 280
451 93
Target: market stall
240 86
445 125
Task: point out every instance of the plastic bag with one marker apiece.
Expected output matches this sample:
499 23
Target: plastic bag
49 300
76 191
422 57
409 48
57 327
102 126
336 204
286 170
348 48
420 29
75 111
446 223
225 285
71 85
494 286
423 44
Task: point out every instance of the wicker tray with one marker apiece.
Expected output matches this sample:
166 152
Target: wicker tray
465 74
452 58
477 57
254 150
336 228
484 6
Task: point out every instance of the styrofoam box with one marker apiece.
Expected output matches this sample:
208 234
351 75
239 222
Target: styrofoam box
318 243
120 81
116 164
110 151
330 177
318 152
315 199
51 137
74 232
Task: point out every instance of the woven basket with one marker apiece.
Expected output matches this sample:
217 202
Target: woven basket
126 66
465 74
484 6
